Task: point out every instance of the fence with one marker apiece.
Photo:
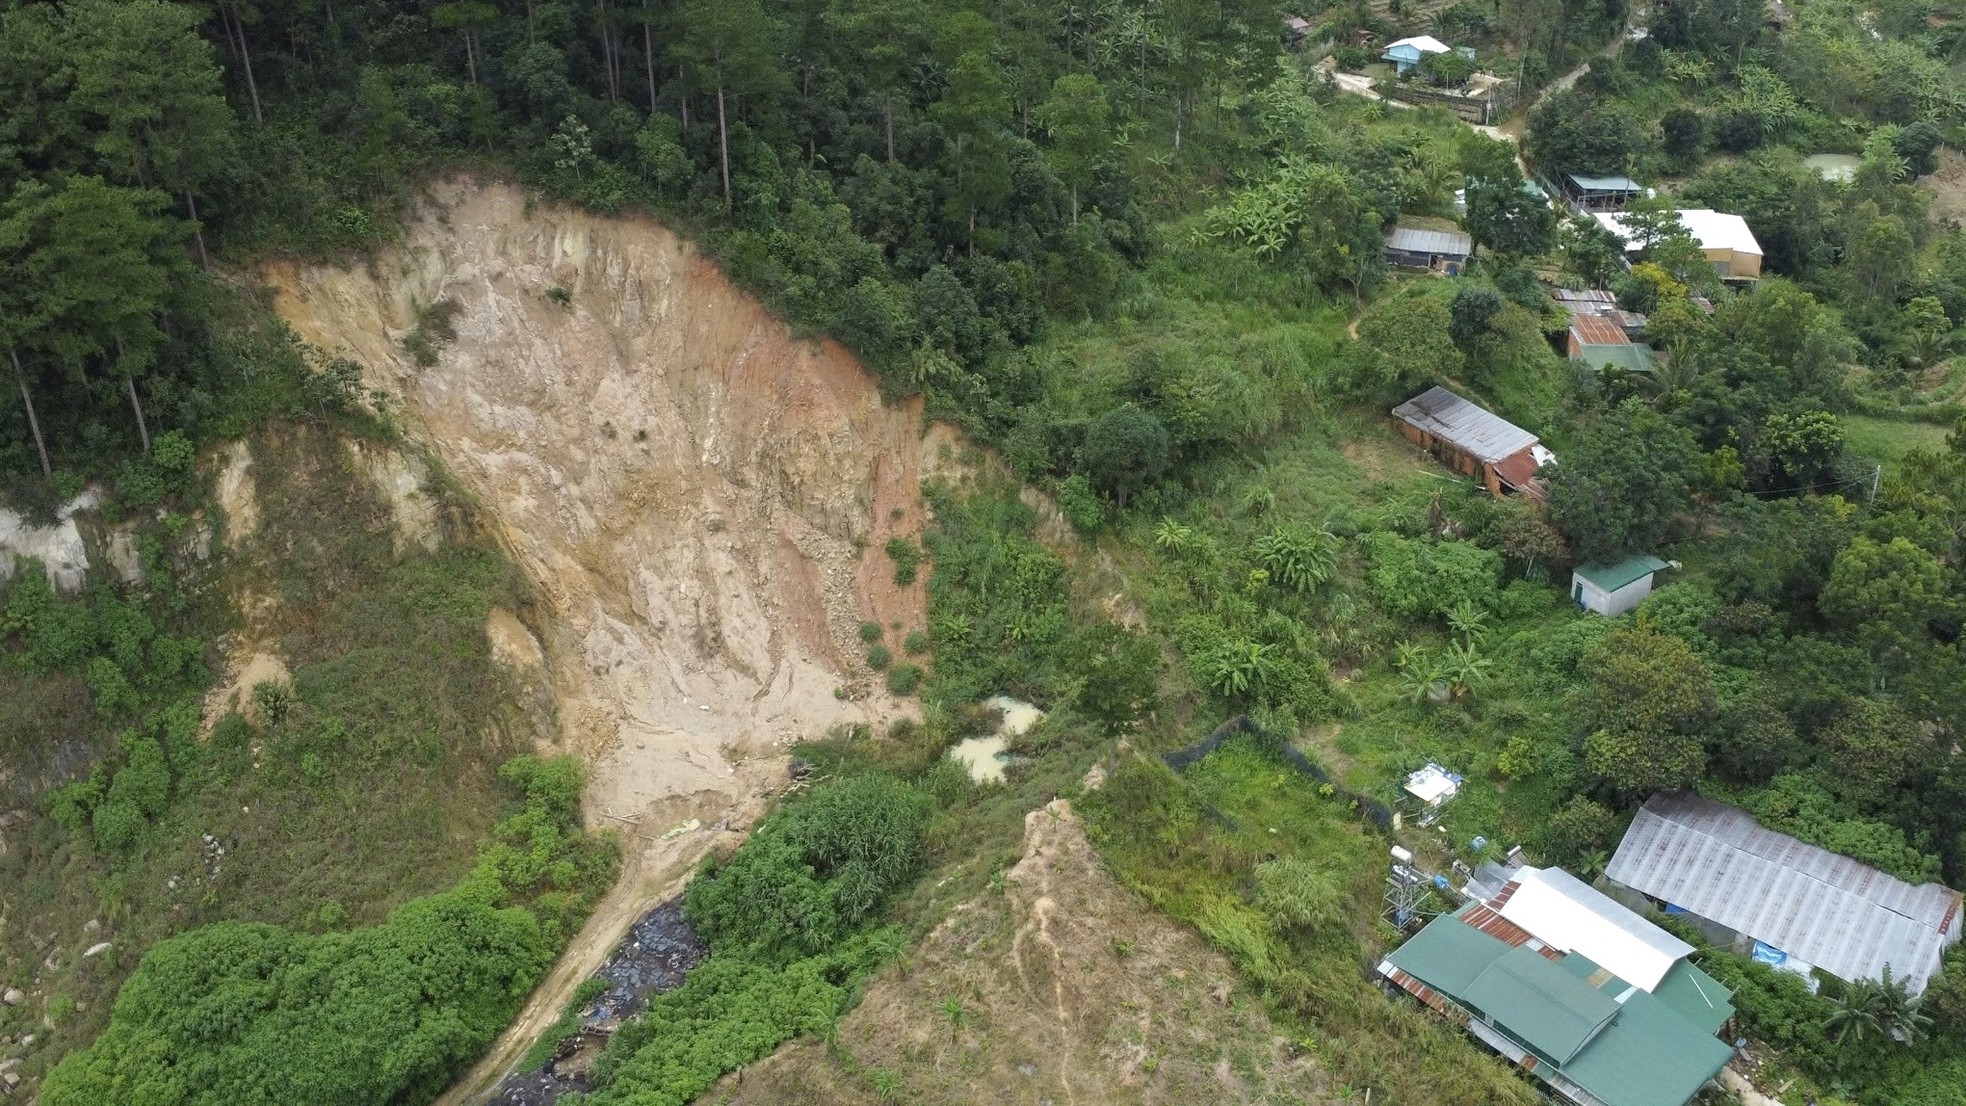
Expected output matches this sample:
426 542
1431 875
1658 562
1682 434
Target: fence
1483 109
1374 811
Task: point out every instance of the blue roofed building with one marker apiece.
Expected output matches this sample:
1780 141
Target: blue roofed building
1407 53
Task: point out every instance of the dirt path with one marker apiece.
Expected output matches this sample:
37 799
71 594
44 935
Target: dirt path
1512 128
648 876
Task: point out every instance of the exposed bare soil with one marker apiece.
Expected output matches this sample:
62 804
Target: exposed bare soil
1948 185
699 499
1063 988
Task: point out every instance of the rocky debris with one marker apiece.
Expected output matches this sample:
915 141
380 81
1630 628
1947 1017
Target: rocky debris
92 925
11 1079
654 957
13 997
96 949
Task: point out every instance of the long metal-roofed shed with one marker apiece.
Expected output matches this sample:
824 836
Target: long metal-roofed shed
1607 193
1773 892
1591 1037
1472 440
1420 248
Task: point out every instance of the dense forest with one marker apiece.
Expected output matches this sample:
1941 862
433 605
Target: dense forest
1135 247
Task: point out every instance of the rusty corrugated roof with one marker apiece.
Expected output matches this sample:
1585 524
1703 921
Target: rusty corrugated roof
1479 433
1598 330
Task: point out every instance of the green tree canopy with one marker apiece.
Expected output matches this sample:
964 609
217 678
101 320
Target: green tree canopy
1883 593
1125 450
1617 490
1646 700
1075 118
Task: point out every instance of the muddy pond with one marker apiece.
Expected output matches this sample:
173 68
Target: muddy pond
984 757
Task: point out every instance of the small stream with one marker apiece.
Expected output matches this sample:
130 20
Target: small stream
655 956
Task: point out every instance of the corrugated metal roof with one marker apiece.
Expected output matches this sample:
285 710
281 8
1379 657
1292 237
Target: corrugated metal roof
1485 919
1699 997
1567 913
1605 184
1713 230
1611 577
1540 1004
1641 1052
1447 955
1418 240
1598 330
1647 1056
1480 433
1629 356
1421 44
1847 918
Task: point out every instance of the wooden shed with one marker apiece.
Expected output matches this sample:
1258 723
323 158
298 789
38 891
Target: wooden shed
1474 441
1418 248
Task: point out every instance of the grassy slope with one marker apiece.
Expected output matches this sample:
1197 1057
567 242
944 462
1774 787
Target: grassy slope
378 786
1056 982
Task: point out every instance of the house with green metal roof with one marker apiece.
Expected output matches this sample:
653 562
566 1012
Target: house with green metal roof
1629 356
1590 1036
1612 589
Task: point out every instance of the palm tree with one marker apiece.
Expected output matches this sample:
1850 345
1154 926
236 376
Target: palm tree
1467 619
1465 668
1297 558
1926 347
1899 1011
1857 1014
1172 536
1239 668
1424 678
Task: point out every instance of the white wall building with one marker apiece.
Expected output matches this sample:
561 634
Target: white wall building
1615 588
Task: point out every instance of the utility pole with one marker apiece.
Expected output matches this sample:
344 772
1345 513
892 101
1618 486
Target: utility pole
1876 478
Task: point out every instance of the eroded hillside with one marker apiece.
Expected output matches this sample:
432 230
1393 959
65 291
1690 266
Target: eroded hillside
700 497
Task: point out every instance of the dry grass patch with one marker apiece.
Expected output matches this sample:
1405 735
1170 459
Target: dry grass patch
1058 984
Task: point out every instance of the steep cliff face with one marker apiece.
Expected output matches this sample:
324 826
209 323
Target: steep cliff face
700 498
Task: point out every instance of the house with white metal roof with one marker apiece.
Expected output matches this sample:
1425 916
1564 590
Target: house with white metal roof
1790 903
1411 247
1407 53
1727 241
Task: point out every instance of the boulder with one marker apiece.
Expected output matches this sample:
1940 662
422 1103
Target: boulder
13 997
96 949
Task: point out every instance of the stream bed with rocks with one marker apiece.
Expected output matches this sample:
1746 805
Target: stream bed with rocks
654 957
